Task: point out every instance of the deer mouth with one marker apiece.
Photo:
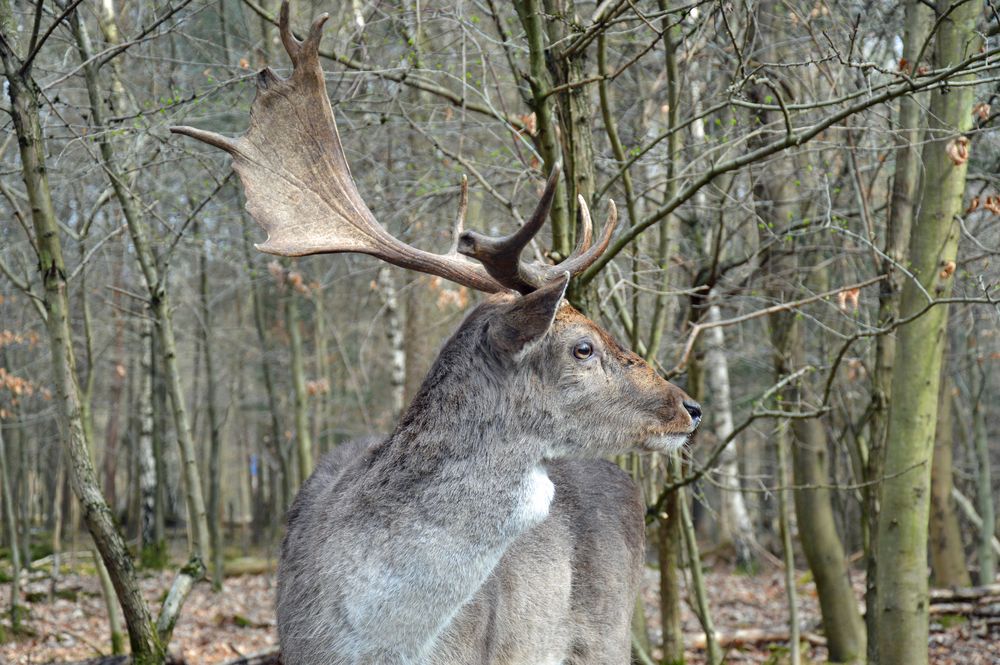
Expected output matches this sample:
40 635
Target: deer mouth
666 441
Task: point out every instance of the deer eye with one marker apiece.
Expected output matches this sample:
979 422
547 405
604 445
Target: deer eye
583 350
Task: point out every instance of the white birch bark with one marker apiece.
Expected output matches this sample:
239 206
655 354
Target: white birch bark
394 332
147 460
737 527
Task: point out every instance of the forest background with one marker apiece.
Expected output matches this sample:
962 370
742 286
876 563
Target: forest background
811 220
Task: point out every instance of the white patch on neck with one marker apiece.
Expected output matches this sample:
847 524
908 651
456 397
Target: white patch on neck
537 497
668 442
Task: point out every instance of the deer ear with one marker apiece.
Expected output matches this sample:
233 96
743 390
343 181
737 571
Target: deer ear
528 318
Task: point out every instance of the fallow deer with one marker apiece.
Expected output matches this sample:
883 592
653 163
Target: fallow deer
485 529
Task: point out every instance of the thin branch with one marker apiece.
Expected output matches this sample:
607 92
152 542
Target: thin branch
789 129
24 286
36 46
93 250
36 25
781 307
405 77
795 139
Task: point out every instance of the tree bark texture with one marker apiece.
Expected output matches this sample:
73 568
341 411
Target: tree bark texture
903 522
948 567
274 440
787 549
736 526
842 622
214 507
146 459
10 524
394 333
303 436
905 183
669 543
532 17
984 493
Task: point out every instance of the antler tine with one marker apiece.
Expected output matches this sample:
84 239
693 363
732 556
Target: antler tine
581 258
586 228
297 49
211 138
502 256
463 206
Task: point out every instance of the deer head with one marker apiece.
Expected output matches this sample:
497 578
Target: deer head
299 188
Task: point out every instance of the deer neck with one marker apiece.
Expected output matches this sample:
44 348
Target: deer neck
473 469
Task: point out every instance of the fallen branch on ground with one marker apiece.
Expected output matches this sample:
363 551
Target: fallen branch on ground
751 636
964 593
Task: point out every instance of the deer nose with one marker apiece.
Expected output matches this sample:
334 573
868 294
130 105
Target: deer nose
694 410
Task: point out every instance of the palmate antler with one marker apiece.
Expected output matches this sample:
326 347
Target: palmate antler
299 188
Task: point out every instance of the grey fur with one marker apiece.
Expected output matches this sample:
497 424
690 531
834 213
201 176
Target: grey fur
444 543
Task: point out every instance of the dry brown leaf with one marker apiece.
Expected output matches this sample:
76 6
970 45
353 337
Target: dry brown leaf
958 150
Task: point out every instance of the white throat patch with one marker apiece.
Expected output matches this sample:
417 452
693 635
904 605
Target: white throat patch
537 497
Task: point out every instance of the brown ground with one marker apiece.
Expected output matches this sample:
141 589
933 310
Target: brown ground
215 628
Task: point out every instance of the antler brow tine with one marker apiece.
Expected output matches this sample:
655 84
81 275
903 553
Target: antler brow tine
211 138
502 256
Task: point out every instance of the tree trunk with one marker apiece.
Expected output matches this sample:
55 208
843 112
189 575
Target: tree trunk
669 545
112 432
696 585
842 622
150 545
948 567
303 437
902 528
394 333
159 302
321 409
10 523
541 102
817 532
984 492
813 508
111 606
735 525
159 441
23 93
275 439
215 435
57 524
787 549
905 185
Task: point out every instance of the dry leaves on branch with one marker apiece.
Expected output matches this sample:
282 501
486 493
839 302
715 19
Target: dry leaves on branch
958 150
848 299
318 387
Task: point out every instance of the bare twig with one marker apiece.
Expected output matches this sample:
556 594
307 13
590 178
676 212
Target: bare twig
781 307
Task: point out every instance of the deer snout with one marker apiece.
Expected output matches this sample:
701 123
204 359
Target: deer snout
694 410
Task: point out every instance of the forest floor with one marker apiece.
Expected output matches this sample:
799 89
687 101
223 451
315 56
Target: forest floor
239 621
